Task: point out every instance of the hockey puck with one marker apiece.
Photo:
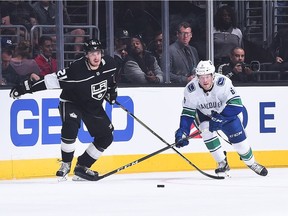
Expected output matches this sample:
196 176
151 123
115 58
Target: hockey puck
160 186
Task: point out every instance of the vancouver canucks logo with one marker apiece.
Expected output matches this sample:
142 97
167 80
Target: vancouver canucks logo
191 87
221 81
98 90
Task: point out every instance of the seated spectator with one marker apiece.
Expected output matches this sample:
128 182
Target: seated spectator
7 43
46 13
6 56
140 65
121 40
279 49
156 46
236 69
17 13
183 57
226 35
21 66
44 59
7 51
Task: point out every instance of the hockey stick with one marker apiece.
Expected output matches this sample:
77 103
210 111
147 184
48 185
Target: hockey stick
146 157
164 141
223 138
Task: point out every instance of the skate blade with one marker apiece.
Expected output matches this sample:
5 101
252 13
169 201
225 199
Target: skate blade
224 174
77 178
62 178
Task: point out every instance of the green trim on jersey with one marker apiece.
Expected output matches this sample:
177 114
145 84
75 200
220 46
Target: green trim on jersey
235 101
188 112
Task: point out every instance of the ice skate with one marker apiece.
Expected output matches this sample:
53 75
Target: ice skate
223 168
259 169
83 173
63 171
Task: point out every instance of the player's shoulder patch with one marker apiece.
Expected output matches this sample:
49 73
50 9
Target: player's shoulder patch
220 81
191 87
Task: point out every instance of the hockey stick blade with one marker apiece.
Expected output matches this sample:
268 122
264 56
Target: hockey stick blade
143 158
164 141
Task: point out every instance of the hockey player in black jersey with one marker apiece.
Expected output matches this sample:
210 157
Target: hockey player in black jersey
85 84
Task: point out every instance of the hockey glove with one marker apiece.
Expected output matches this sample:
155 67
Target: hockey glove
111 94
21 89
181 138
216 121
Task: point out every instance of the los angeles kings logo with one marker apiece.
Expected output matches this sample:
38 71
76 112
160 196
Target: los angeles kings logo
99 90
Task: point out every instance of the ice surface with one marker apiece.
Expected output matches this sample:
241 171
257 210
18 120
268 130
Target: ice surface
185 193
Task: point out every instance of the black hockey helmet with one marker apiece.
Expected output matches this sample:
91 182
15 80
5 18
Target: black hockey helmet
92 45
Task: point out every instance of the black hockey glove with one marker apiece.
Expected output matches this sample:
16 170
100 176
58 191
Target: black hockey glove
111 94
21 89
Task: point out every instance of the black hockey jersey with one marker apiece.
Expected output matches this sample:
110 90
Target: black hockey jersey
80 85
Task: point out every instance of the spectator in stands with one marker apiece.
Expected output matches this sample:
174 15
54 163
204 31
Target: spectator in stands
121 41
236 69
46 13
7 43
156 46
141 66
226 35
183 57
279 49
44 59
7 50
22 66
17 13
6 56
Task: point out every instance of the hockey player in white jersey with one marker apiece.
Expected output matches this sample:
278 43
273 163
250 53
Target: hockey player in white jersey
213 99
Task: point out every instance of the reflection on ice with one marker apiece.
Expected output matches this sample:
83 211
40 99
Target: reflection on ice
184 193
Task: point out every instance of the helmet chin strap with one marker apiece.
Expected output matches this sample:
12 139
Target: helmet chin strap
211 87
88 64
213 77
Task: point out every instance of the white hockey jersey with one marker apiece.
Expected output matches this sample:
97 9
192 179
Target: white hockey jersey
223 93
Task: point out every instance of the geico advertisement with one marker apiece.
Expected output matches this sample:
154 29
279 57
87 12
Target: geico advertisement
31 125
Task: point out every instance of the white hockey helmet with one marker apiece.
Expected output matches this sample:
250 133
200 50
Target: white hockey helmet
205 67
